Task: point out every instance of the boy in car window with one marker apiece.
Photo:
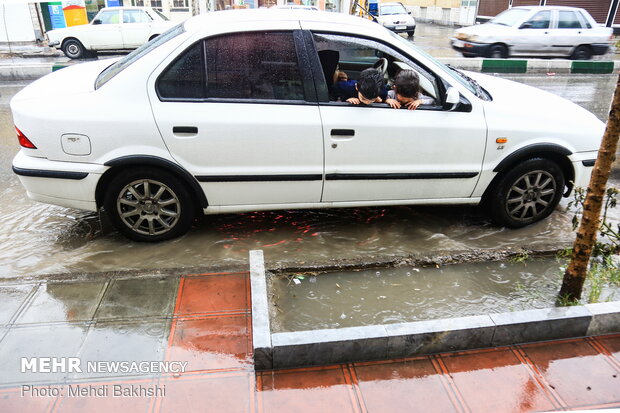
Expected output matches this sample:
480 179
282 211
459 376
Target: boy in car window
369 88
406 92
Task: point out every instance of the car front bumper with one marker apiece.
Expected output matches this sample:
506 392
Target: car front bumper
68 184
400 28
468 48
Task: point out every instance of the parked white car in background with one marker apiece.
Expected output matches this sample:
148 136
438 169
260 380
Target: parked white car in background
535 31
113 28
395 17
232 112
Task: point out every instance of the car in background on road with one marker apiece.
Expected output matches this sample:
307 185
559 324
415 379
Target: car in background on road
550 31
394 16
232 112
113 28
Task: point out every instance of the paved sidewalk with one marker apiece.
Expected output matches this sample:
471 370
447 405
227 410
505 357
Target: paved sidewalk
205 320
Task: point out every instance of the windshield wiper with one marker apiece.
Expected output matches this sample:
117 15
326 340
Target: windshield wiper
479 91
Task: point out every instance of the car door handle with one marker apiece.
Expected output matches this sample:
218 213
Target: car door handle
343 132
185 130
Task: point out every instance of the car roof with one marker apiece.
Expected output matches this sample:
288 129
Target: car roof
225 18
547 8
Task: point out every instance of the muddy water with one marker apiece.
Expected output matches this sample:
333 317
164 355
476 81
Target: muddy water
37 238
397 295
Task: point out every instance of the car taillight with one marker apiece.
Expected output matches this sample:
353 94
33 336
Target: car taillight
23 140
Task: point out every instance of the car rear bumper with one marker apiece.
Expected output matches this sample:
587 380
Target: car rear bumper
68 184
600 48
469 48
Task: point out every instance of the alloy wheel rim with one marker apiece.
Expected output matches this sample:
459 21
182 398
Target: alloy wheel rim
531 195
148 207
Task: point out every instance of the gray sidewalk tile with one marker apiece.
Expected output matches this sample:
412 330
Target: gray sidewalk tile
75 301
38 341
11 299
130 342
141 297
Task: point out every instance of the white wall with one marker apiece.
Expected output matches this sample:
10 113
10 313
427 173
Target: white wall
19 26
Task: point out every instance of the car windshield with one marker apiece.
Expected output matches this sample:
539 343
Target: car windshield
121 64
393 9
457 75
510 17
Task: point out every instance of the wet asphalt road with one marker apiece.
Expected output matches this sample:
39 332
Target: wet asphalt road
39 239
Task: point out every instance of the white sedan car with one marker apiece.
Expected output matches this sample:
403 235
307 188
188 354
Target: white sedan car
535 31
113 28
231 112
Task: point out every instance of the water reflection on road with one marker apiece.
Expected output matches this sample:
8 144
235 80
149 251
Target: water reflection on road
37 238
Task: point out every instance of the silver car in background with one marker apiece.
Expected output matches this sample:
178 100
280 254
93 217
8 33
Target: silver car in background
552 31
394 16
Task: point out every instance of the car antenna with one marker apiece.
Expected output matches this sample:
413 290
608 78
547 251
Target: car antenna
357 4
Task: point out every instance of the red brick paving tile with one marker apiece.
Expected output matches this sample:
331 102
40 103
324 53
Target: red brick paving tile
312 390
11 401
208 393
111 402
612 344
211 343
405 386
577 372
213 294
496 381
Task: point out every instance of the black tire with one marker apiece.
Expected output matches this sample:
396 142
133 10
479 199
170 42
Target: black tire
581 53
73 49
157 212
527 193
152 37
410 33
497 51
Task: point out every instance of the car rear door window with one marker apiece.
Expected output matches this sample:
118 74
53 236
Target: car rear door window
135 16
185 77
568 20
254 65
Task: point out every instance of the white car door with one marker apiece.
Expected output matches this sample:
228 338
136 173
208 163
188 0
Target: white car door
105 31
567 33
376 153
532 37
136 28
251 132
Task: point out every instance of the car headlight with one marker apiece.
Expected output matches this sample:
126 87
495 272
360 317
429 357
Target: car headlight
465 36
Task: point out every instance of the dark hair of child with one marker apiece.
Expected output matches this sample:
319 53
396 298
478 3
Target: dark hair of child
370 83
407 84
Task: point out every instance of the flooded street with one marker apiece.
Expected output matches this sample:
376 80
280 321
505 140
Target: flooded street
39 239
402 295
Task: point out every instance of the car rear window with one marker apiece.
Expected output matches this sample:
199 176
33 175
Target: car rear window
126 61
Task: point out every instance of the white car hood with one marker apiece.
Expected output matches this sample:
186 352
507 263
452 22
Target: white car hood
546 113
485 29
77 78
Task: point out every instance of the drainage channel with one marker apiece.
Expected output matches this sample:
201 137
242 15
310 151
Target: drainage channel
346 316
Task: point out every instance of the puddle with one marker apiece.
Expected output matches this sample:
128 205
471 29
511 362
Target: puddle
396 295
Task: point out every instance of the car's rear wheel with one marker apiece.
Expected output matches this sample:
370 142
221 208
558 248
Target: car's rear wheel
581 53
73 49
527 193
148 204
497 51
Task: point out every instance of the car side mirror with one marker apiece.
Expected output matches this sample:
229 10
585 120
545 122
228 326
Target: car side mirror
526 25
453 98
96 21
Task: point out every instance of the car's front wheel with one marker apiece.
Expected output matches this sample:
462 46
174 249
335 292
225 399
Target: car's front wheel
73 49
497 51
527 193
148 204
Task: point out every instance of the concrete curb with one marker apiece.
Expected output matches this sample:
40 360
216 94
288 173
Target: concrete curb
389 341
37 70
